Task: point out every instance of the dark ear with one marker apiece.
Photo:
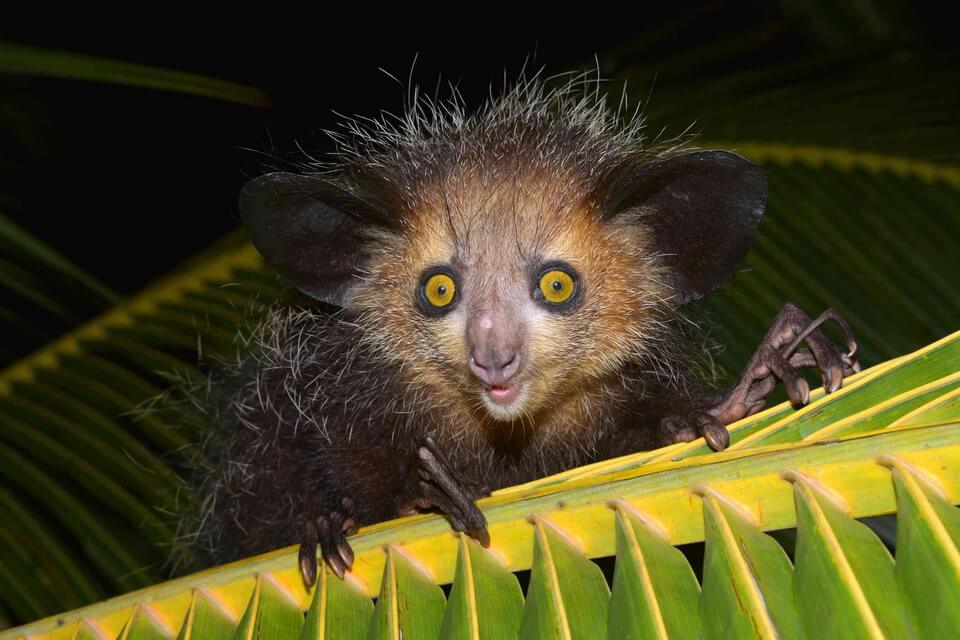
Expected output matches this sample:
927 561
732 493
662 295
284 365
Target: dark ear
703 209
301 226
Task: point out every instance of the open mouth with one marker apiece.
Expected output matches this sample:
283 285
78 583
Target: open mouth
503 394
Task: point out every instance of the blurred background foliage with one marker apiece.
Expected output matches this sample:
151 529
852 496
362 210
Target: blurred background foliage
121 266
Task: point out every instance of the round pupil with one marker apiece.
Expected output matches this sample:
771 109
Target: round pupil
557 285
441 290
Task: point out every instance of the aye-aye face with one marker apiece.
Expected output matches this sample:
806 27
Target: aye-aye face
511 296
511 288
511 258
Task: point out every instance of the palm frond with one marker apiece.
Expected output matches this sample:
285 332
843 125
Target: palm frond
83 460
24 60
813 469
862 217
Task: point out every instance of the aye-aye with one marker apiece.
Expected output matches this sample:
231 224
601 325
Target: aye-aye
497 300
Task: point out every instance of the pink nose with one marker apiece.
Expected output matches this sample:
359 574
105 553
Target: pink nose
493 368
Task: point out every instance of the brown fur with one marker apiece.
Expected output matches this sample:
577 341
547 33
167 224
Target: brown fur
496 231
333 406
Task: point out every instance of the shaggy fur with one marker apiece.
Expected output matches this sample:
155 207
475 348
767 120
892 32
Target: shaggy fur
332 405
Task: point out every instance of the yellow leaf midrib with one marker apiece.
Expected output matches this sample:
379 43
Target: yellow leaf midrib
653 605
472 613
841 158
890 402
838 555
554 579
762 622
930 518
394 595
167 289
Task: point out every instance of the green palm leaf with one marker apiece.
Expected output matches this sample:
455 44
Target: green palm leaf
568 596
746 578
485 601
655 591
337 611
24 60
861 217
842 581
77 397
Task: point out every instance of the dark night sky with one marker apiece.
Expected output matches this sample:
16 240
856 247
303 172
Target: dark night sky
128 182
147 178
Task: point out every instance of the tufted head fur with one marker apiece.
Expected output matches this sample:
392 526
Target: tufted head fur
537 181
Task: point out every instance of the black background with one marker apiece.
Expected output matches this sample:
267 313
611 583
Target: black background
128 182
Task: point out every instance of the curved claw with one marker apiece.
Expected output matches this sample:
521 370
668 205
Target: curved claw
714 433
779 357
329 532
334 547
696 424
438 487
308 555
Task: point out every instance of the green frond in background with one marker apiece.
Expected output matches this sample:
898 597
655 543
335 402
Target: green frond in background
75 396
27 269
33 61
889 441
862 217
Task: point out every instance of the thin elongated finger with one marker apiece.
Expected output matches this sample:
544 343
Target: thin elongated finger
796 387
472 516
814 325
828 360
469 520
758 393
802 359
851 365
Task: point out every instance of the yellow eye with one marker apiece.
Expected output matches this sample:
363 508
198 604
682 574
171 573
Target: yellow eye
439 290
556 286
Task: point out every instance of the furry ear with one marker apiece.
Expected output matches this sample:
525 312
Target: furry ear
703 209
303 228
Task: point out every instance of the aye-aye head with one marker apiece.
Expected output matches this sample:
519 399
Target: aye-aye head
514 258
